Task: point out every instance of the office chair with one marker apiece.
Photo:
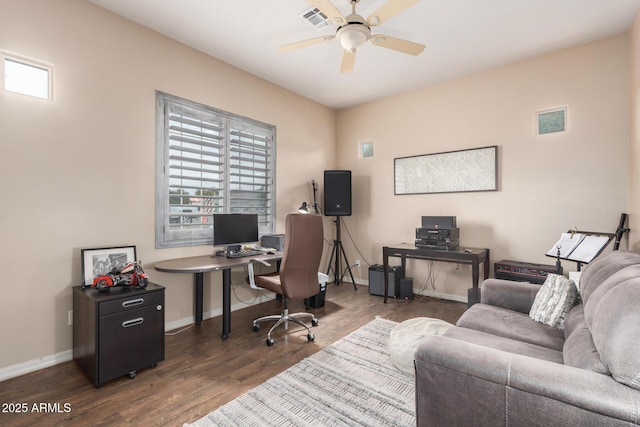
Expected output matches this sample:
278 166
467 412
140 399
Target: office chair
298 275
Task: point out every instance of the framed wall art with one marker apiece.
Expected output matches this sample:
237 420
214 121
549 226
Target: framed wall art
474 169
98 261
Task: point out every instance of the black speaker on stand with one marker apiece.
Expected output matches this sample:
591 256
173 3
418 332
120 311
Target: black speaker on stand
337 202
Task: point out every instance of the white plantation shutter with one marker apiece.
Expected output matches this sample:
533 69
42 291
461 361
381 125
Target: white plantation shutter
209 162
249 166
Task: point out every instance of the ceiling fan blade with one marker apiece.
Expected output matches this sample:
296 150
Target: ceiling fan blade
326 7
304 43
400 45
348 59
389 10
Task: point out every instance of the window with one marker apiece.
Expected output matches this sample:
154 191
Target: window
552 120
27 77
366 149
209 161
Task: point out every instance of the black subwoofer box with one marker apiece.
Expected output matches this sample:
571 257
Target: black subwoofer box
406 288
376 280
471 296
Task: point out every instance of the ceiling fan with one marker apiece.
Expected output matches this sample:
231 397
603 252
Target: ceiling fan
354 31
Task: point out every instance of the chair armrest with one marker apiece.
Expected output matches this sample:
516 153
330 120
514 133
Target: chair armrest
517 296
460 383
251 274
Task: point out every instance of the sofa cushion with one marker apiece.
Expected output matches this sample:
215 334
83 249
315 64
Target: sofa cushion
591 306
579 350
554 300
505 344
511 324
574 319
600 269
614 320
517 296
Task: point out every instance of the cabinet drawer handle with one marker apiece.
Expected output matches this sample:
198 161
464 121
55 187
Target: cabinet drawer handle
132 322
133 302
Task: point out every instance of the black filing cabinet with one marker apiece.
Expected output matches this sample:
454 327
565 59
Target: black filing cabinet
118 331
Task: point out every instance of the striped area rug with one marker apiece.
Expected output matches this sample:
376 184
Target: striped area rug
352 382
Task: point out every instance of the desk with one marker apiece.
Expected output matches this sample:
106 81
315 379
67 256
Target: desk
458 256
199 265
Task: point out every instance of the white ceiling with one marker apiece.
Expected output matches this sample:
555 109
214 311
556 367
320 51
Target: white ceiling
461 37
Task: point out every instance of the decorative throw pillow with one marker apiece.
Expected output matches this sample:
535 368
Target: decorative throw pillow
554 300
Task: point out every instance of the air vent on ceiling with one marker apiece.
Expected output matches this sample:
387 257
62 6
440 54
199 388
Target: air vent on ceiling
315 17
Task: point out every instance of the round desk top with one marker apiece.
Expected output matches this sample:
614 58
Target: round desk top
205 263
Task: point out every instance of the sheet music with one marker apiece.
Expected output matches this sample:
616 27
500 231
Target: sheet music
588 248
568 242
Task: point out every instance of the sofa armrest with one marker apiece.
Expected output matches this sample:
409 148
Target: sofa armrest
460 383
517 296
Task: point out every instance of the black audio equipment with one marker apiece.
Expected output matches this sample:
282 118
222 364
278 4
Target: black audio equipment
438 232
437 244
523 271
406 288
444 234
337 193
438 222
376 280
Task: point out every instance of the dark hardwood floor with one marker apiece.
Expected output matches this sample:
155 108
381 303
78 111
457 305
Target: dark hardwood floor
200 371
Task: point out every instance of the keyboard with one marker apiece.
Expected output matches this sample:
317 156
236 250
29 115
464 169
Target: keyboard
243 253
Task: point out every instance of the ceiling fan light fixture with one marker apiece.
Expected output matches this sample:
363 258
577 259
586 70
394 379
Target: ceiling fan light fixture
353 36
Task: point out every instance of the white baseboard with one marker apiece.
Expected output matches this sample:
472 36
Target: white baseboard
358 282
439 295
33 365
181 323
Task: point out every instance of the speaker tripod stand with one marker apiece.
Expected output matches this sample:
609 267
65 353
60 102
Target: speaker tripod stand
336 255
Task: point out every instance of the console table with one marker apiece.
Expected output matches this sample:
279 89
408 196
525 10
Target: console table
471 256
199 265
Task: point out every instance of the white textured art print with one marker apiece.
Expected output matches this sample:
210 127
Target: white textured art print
454 171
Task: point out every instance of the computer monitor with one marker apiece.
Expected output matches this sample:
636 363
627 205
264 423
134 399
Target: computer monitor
232 230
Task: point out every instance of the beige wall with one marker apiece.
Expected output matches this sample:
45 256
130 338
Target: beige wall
78 172
547 184
634 152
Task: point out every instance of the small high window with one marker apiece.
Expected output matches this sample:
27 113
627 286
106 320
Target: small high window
25 76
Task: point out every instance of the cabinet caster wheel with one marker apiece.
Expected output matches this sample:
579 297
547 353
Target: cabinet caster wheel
314 322
256 328
132 375
225 336
269 342
310 337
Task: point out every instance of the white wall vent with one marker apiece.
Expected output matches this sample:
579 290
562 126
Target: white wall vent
315 17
